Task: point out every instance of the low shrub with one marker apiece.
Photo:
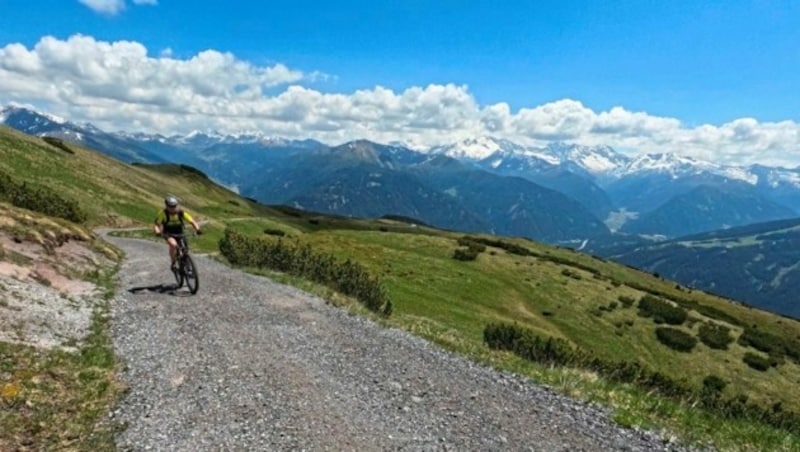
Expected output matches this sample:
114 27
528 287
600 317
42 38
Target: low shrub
676 339
756 362
715 336
40 199
59 143
526 344
346 277
661 311
471 244
465 254
626 300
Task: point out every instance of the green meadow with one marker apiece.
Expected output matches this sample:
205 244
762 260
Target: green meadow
590 303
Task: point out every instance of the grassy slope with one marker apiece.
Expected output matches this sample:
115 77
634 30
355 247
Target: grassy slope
111 192
451 301
425 282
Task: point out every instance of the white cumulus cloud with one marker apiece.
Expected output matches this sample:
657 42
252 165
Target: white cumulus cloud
105 6
120 86
112 7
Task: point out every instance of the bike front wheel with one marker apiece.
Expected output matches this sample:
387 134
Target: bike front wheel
178 277
189 272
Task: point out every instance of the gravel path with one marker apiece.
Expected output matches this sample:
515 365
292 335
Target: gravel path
248 364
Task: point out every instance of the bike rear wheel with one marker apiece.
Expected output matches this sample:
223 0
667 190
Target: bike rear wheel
189 273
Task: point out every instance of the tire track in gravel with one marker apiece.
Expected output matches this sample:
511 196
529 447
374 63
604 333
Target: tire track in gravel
249 364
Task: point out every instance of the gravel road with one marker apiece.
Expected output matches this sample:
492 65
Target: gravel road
249 364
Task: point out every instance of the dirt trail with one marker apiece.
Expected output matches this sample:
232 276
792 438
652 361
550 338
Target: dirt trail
248 364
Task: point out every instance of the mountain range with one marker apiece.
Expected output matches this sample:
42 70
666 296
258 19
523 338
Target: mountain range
633 195
613 205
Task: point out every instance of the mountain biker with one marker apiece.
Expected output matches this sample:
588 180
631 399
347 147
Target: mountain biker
170 222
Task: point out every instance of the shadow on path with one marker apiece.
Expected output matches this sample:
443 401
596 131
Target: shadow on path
171 289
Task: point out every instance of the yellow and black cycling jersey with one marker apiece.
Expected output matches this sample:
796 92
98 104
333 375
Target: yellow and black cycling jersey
172 222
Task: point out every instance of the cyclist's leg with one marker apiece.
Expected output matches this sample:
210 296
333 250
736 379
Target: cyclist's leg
173 249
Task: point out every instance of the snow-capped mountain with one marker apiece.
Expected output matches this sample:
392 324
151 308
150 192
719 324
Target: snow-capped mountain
599 177
681 166
478 148
39 124
594 160
35 123
604 164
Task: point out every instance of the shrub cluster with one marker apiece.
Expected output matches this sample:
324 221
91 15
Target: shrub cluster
551 351
40 199
626 300
713 387
348 277
715 336
471 244
708 311
773 344
510 247
471 250
676 339
661 311
59 143
465 254
522 251
757 362
192 170
275 232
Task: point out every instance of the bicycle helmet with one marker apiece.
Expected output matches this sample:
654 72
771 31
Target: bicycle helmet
171 201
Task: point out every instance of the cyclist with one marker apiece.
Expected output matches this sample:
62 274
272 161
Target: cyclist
170 222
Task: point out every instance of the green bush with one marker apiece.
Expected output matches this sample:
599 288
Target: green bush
761 340
713 386
465 254
551 351
676 339
715 336
471 244
347 277
40 199
757 362
525 343
59 143
275 232
510 247
661 311
626 301
777 346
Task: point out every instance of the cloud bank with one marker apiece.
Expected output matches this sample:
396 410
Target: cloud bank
119 86
112 7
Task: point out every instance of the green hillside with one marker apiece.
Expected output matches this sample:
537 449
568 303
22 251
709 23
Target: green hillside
603 309
756 264
110 192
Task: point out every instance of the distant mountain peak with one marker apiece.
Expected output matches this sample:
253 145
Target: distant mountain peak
478 148
670 163
592 159
11 112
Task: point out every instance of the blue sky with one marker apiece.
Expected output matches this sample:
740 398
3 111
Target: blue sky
716 80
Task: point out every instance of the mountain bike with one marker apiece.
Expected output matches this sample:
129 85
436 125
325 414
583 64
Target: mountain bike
186 271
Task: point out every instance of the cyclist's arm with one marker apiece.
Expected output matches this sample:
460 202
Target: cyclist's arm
157 230
191 221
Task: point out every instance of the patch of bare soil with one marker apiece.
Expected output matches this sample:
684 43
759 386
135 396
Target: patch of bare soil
46 299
